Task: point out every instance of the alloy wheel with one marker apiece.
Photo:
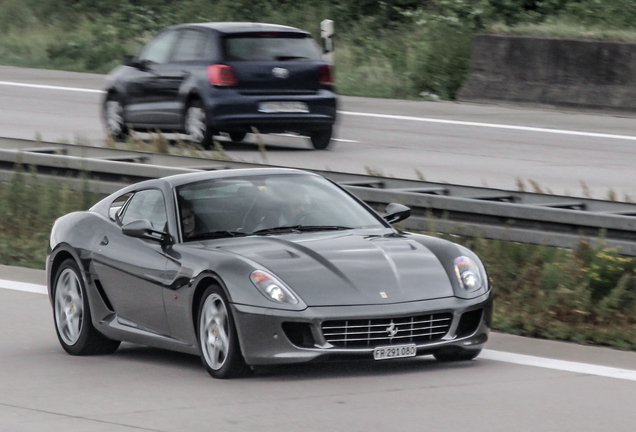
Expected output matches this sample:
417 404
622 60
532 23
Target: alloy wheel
114 116
69 307
214 331
195 124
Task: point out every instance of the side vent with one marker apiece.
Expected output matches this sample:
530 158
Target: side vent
102 294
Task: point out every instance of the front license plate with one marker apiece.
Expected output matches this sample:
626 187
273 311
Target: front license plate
395 351
283 107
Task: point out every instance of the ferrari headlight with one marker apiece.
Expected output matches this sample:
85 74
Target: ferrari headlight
272 288
468 273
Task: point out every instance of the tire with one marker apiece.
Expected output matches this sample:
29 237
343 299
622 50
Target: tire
320 139
196 125
237 136
453 356
218 339
72 315
113 113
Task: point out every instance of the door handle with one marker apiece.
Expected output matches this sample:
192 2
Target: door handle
104 241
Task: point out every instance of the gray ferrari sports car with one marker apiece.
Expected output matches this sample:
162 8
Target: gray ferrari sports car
260 266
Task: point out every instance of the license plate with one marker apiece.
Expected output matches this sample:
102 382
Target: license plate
283 107
395 351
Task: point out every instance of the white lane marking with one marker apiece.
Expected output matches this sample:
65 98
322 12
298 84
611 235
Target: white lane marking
568 366
49 87
395 117
22 286
494 126
302 136
520 359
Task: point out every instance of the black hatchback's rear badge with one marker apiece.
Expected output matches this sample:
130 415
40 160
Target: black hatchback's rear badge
279 72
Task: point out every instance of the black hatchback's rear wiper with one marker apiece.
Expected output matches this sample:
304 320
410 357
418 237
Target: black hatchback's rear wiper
283 58
217 234
300 228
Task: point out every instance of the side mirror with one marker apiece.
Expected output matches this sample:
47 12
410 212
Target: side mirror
133 61
396 212
129 60
143 229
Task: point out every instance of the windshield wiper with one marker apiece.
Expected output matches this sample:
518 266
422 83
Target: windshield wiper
217 234
322 228
284 58
300 228
276 230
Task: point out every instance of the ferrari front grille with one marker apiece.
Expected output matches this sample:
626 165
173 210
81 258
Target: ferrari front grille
358 333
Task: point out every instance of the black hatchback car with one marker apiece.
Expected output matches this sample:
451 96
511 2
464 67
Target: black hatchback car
208 78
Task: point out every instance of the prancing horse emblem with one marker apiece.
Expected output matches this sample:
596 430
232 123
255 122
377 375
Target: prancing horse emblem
392 329
279 72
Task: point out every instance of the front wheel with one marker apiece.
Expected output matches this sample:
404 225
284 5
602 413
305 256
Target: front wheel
320 139
218 340
196 125
72 315
113 112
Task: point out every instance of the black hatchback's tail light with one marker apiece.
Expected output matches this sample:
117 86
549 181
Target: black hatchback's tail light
222 75
326 75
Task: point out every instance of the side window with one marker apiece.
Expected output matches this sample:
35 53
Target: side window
189 47
158 50
147 204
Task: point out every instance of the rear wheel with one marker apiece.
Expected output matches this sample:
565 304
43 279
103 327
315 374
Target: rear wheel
218 340
196 125
237 136
320 139
72 315
461 355
113 112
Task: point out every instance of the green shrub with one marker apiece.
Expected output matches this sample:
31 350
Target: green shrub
29 208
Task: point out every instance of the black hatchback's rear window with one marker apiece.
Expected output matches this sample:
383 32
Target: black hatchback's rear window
270 47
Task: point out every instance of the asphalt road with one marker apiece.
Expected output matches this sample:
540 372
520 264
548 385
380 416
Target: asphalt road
570 153
138 388
518 384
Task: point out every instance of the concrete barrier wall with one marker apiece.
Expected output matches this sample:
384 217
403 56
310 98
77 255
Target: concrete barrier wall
588 74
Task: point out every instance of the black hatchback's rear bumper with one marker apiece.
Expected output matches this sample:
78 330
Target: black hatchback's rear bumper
228 110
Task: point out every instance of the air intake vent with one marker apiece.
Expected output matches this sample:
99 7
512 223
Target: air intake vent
361 333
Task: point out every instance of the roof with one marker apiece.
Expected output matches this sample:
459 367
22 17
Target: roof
180 179
242 27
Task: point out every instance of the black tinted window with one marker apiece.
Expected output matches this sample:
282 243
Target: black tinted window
270 47
190 46
158 50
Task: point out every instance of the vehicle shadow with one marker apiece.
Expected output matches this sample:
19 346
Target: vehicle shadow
158 356
356 368
296 372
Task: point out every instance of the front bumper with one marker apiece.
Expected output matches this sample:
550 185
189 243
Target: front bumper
264 341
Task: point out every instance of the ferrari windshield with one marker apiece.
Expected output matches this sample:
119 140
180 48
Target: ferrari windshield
262 205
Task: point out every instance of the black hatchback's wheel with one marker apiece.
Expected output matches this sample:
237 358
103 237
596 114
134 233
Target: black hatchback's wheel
113 112
218 340
196 125
72 315
237 136
320 139
460 355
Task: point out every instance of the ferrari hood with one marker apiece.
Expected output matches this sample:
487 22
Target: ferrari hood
346 268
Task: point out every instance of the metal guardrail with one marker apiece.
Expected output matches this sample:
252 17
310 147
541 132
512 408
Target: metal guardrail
463 210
